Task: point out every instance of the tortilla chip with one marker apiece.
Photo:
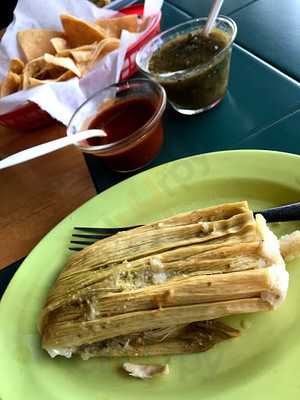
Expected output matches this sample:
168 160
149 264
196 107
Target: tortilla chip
83 67
82 56
79 54
42 71
80 32
102 3
33 82
86 47
49 69
102 49
10 84
113 26
66 76
59 44
144 24
64 62
36 42
16 65
52 72
33 69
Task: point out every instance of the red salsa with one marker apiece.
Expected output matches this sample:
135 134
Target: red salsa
121 120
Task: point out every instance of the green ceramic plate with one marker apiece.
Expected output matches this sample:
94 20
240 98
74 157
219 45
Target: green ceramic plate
263 363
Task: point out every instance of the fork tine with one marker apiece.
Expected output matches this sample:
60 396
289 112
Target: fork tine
94 234
76 248
83 243
105 230
89 236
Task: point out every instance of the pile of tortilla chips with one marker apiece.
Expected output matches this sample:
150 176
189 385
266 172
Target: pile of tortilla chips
51 56
101 3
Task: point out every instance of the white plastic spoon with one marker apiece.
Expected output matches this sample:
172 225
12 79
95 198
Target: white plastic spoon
212 16
48 147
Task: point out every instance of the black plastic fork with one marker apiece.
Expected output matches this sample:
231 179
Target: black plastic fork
94 234
288 212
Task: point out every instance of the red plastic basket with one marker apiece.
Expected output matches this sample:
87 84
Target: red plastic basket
31 116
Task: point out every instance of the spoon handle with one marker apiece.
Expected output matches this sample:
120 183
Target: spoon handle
48 147
212 16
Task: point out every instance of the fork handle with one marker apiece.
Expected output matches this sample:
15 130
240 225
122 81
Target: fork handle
289 212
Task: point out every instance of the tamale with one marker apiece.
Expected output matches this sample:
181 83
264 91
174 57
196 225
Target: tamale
192 338
195 266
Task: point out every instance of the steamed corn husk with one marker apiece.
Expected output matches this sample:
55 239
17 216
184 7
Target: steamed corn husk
192 338
195 266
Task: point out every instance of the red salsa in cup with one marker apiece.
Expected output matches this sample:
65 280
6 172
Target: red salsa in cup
130 113
132 141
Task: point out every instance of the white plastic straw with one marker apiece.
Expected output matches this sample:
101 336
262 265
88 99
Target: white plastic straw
212 16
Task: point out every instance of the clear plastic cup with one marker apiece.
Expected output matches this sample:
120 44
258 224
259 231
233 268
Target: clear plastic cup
142 141
201 87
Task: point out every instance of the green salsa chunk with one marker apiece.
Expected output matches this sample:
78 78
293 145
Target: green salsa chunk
205 79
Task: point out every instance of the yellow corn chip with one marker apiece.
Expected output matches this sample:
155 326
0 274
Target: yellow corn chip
32 82
52 72
59 43
40 70
80 32
86 47
66 76
113 26
10 84
82 56
102 49
16 65
53 56
83 67
64 62
36 42
49 69
33 69
79 54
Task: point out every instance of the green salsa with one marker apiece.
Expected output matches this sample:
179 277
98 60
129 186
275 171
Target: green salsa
202 68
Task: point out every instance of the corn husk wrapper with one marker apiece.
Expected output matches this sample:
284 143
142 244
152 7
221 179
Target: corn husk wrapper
197 266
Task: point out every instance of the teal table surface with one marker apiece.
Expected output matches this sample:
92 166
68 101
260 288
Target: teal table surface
200 8
271 30
282 135
268 28
258 95
262 107
172 16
